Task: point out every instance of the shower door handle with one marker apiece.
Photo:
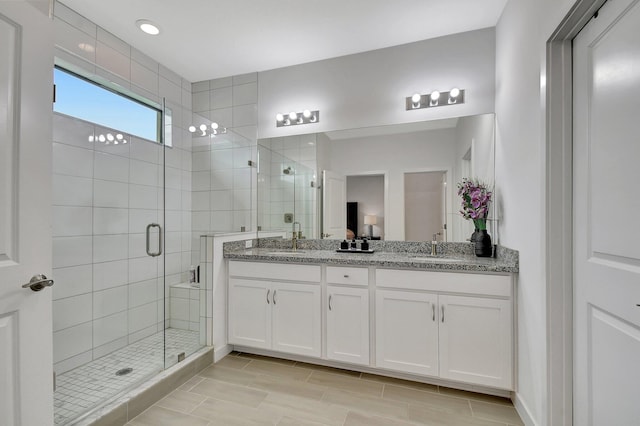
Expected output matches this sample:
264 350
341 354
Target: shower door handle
149 252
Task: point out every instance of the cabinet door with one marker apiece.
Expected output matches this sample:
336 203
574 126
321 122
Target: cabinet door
296 319
250 313
475 340
348 324
407 331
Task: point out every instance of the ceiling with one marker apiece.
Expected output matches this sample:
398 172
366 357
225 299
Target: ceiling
206 39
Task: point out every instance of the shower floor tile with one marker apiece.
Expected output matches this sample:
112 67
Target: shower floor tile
93 384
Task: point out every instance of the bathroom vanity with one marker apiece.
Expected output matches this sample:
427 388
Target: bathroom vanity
446 319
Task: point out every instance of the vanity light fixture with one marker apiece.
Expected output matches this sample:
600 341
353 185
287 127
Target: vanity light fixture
294 118
435 99
148 27
207 130
109 139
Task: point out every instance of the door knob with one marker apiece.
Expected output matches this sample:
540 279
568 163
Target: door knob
38 282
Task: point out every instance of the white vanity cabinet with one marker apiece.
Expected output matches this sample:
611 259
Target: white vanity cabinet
347 314
456 326
275 306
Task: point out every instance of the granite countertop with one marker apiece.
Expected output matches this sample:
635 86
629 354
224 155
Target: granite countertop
453 259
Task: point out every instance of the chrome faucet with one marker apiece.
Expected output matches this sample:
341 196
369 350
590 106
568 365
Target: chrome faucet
434 244
294 235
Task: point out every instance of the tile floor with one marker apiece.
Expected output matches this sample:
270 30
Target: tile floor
245 389
95 383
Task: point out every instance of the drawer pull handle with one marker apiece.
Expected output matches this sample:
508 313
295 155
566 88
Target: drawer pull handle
433 312
268 291
274 297
442 309
330 303
346 276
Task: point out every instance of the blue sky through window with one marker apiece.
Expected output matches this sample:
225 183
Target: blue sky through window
79 98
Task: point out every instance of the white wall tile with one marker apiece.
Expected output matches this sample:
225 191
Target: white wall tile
107 248
222 221
179 309
201 200
222 200
173 199
110 221
73 161
240 219
200 86
71 131
140 218
173 263
143 150
111 167
241 157
109 328
114 61
222 116
220 82
142 317
107 348
245 94
71 17
245 78
71 311
110 194
143 269
72 341
245 115
173 157
221 179
143 196
170 90
137 246
110 274
72 191
222 159
143 173
201 161
120 149
72 251
110 301
200 221
74 41
113 42
172 178
200 102
143 292
141 334
170 75
72 281
145 60
173 220
242 178
72 362
221 98
201 181
71 221
194 310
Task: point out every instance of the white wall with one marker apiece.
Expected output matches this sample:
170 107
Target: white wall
412 152
521 36
423 204
370 88
368 192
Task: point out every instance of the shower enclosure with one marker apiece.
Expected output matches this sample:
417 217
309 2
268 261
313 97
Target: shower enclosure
123 308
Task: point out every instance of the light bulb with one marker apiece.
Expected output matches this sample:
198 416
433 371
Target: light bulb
306 113
435 95
148 27
91 138
192 129
101 138
416 98
454 92
313 118
293 115
214 125
279 117
119 137
110 137
203 127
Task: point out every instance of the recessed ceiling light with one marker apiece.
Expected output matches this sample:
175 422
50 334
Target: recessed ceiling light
148 26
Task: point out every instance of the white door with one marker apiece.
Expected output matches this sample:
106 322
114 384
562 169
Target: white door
250 313
407 331
475 340
296 316
334 205
606 205
348 324
26 82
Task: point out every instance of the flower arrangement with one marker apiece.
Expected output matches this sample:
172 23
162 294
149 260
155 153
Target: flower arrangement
475 201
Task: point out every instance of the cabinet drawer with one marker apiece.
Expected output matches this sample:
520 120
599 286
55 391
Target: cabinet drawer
275 271
347 275
449 282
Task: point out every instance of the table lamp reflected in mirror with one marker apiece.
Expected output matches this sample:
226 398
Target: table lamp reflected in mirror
370 220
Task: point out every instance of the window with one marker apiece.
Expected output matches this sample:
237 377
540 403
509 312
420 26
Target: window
81 98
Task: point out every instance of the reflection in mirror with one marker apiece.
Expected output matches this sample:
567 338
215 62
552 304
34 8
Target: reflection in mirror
419 163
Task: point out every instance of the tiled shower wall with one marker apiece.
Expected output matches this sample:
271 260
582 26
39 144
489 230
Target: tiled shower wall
107 293
223 180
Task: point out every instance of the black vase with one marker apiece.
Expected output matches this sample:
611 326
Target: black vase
482 243
473 236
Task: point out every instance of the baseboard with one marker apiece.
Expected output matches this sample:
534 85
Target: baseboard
221 352
523 411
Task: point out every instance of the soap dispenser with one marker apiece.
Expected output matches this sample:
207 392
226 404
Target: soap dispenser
353 244
344 245
364 246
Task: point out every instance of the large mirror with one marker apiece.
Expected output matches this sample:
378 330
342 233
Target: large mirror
396 182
